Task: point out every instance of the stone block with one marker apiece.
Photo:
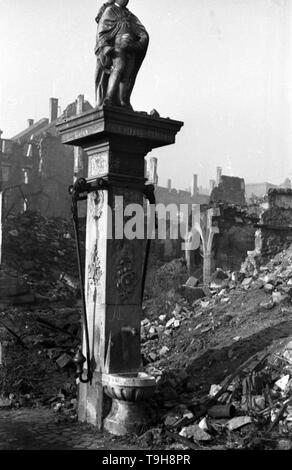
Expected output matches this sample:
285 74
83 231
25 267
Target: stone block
192 293
192 282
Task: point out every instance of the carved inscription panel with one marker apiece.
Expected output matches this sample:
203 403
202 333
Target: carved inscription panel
98 164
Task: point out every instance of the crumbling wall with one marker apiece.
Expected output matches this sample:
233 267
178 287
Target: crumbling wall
12 163
275 228
169 248
172 196
56 173
236 237
52 174
231 190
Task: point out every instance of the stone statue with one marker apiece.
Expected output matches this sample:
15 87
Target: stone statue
121 45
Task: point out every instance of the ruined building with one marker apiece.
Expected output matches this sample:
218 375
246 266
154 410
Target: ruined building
36 168
275 227
259 190
169 195
229 190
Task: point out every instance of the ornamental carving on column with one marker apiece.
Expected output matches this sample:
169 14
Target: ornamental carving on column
96 203
126 276
94 269
98 165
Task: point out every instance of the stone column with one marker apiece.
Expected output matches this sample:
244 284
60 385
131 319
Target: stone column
212 184
116 142
1 197
194 190
208 230
1 215
78 155
153 176
218 175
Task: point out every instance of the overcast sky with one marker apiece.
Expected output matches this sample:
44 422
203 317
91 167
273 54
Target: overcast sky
221 66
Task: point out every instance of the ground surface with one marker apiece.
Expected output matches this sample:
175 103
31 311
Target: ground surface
188 344
36 429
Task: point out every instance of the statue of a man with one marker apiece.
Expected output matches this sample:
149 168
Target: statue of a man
121 45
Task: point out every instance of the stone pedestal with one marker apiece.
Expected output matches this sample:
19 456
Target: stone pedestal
1 208
116 142
128 413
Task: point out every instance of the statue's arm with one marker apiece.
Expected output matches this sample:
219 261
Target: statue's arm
104 37
140 30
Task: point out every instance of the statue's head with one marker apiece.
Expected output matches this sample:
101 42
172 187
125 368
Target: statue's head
122 3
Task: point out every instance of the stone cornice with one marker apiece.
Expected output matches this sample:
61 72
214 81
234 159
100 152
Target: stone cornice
109 122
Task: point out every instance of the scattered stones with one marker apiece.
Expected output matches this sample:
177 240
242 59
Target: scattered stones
282 383
192 293
163 351
42 254
259 402
278 297
192 282
64 360
288 354
219 275
205 330
267 305
246 282
179 316
214 390
195 432
152 356
236 339
170 323
269 288
177 310
203 424
237 276
284 444
14 233
5 402
152 332
238 422
176 324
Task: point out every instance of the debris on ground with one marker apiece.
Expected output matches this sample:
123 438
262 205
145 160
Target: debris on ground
39 258
221 354
239 334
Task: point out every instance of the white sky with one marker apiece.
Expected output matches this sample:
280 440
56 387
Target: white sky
221 66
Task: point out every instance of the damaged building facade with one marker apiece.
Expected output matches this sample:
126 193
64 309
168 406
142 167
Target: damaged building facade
275 227
36 168
234 221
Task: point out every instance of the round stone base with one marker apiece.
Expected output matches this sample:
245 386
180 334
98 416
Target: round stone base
127 418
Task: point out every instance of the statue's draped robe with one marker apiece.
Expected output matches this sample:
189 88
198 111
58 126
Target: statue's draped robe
115 22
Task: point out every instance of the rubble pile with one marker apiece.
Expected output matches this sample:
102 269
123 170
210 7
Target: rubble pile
250 409
39 314
191 346
254 289
221 354
37 358
41 254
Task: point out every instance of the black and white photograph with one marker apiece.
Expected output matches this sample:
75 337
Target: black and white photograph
146 229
